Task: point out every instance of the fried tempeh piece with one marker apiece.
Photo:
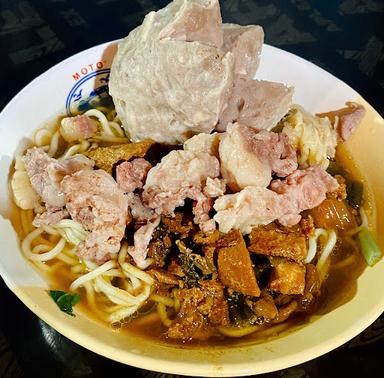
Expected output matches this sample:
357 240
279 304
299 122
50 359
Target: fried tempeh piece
278 242
235 265
106 157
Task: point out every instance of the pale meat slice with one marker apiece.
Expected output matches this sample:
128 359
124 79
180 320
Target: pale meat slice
202 142
249 158
51 216
141 239
138 210
305 189
254 206
239 165
250 207
170 89
77 128
245 43
130 175
348 119
214 187
258 104
201 209
178 176
45 174
95 200
194 20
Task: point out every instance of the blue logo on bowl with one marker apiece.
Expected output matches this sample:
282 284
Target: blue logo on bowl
89 92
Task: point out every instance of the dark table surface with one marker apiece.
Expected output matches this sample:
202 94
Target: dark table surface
345 37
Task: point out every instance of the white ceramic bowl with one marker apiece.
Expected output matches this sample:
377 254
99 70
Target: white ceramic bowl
57 91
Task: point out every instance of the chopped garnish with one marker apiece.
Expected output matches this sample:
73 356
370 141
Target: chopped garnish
369 247
65 301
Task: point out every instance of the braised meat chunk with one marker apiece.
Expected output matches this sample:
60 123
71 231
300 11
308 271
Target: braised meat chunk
200 306
95 200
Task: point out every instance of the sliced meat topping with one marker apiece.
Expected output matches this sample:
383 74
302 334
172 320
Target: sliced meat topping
250 207
240 166
141 240
305 189
248 158
178 176
208 143
287 277
274 149
138 210
214 187
257 104
46 173
77 128
130 175
278 242
95 200
254 206
51 216
245 43
201 209
235 265
346 120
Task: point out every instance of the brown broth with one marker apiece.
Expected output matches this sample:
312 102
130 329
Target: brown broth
338 288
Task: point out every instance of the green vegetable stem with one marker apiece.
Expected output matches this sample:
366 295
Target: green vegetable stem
369 247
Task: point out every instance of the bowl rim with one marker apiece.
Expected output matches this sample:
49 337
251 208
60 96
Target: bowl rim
179 367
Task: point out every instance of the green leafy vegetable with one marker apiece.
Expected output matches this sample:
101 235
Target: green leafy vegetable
369 247
65 301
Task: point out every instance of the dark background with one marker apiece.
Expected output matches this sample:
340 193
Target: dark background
345 37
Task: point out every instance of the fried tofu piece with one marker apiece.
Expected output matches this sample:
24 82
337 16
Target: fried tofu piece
287 277
235 265
106 157
278 243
